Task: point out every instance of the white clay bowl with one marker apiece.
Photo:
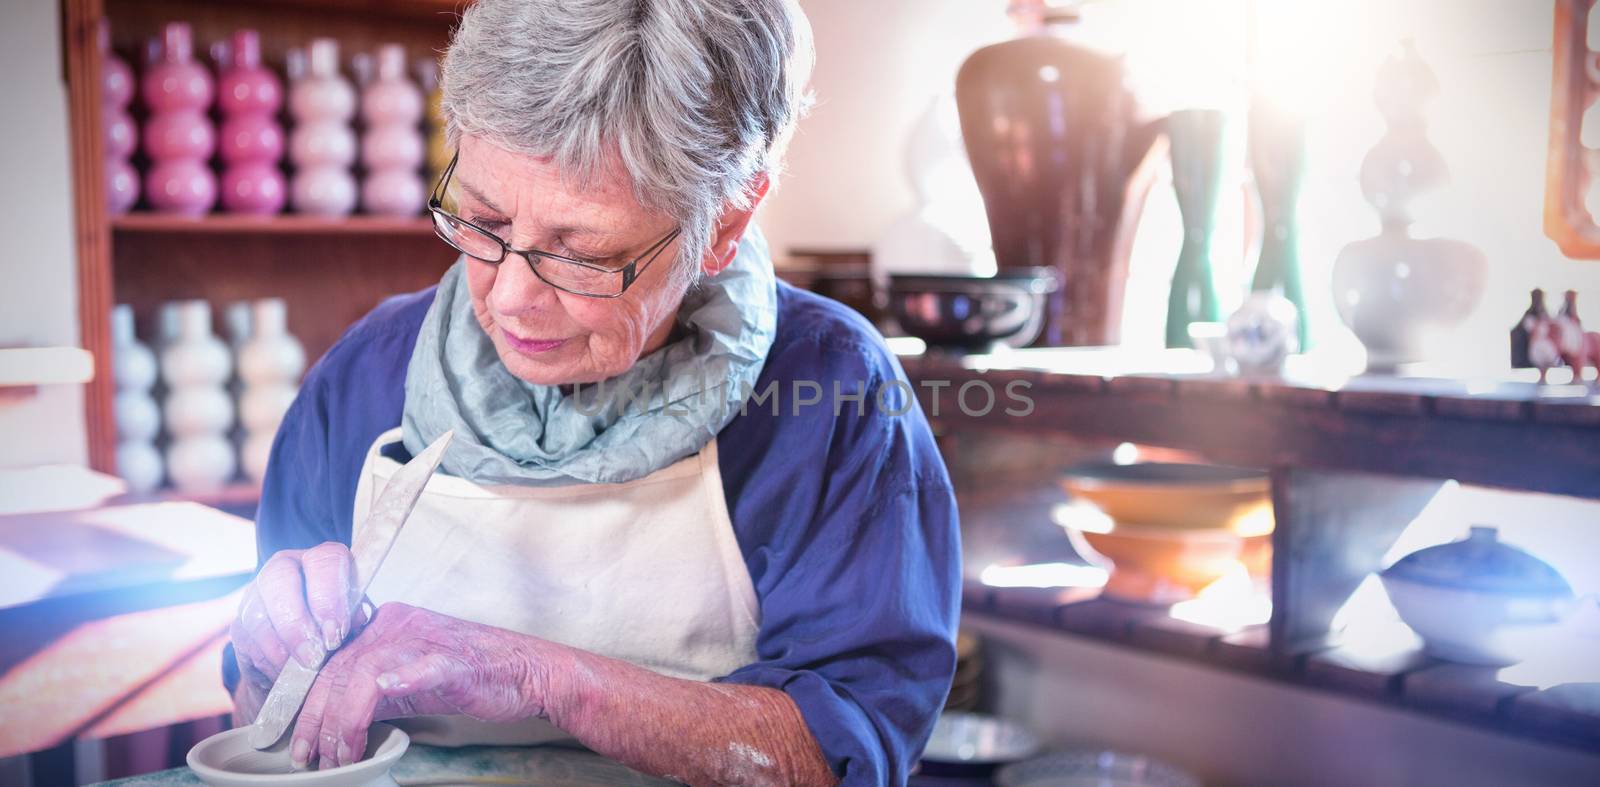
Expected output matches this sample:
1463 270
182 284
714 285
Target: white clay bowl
227 760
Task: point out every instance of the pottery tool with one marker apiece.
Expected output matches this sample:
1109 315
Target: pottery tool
382 527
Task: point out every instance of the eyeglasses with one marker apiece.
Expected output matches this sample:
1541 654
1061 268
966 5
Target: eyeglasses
579 277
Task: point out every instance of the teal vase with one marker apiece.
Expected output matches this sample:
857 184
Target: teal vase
1277 162
1197 137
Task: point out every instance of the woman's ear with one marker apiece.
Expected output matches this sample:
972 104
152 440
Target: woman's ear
731 228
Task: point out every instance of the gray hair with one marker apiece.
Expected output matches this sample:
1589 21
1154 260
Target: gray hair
698 97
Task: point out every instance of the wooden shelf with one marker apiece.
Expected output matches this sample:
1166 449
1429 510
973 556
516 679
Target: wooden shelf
1508 434
288 224
1568 715
234 497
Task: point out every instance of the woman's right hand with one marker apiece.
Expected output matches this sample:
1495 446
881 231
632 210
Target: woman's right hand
301 605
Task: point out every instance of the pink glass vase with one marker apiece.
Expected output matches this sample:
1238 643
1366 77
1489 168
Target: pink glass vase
176 80
121 132
249 138
181 133
254 188
252 143
183 186
178 136
122 186
248 86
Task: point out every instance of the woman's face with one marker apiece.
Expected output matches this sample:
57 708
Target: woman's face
544 335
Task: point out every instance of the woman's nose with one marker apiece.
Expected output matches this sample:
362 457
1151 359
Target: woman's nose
517 290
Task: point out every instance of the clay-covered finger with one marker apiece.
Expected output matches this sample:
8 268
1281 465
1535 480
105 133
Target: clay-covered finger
356 709
336 678
304 741
329 586
282 588
255 640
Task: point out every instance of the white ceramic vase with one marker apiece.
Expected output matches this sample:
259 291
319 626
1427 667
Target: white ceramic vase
270 365
138 417
203 463
322 145
393 147
134 370
198 411
133 365
1394 291
139 464
195 356
1398 293
272 354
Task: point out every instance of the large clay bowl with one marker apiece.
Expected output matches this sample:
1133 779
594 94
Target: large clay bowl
1162 565
1176 495
227 760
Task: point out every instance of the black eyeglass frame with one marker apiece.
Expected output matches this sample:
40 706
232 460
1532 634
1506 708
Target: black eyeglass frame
630 272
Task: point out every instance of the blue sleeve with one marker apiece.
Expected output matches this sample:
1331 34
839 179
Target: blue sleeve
849 527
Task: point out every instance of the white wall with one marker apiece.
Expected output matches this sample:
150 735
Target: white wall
879 64
38 293
879 61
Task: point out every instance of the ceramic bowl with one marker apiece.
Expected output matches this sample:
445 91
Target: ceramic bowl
974 745
1089 768
1161 565
227 760
1479 600
972 312
1176 495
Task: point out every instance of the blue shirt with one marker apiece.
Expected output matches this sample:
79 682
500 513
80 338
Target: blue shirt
846 520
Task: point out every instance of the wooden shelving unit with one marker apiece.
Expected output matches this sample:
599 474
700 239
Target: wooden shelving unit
232 497
1353 461
289 224
330 272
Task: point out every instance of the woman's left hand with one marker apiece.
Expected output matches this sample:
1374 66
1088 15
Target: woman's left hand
410 662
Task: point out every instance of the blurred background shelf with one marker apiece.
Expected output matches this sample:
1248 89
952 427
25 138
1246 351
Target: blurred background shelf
225 224
233 498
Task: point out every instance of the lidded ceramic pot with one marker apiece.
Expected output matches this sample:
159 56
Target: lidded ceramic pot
1479 600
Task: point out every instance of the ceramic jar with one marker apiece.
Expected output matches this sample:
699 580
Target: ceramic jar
1479 600
178 137
1263 333
1397 292
249 97
133 369
198 411
322 145
392 148
1056 136
270 364
121 133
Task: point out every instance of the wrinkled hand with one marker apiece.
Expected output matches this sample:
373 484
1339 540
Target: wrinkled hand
411 662
301 605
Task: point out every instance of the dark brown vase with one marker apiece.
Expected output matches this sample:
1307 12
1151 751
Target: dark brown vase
1057 140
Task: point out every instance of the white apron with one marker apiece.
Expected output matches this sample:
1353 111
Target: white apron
648 571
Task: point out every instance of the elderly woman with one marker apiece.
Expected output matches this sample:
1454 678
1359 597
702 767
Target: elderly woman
690 518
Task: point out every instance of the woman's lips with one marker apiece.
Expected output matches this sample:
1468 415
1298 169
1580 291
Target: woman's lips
530 346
